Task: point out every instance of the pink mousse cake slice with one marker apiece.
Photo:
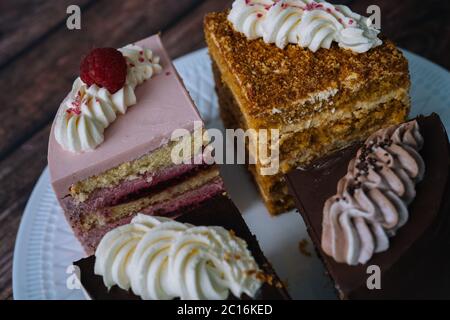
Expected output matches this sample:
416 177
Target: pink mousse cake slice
105 172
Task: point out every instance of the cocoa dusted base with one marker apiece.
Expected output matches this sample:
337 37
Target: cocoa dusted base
219 211
417 263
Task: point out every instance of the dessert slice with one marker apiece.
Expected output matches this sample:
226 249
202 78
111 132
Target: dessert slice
206 254
390 211
111 152
317 72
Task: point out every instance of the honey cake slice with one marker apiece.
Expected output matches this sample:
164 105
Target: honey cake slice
319 101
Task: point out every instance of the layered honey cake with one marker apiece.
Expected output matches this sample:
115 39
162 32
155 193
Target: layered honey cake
111 152
317 72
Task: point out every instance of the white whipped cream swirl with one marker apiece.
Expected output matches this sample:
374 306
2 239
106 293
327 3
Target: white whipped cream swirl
310 24
159 258
88 110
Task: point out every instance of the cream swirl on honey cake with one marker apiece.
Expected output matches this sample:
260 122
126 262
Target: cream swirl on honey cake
310 24
159 258
372 200
105 88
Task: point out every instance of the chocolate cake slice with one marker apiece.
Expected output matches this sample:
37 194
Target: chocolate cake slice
219 211
413 259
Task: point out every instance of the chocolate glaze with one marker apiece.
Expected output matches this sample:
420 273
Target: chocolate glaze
219 211
417 263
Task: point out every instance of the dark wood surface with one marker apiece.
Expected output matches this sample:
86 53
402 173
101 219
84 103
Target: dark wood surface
39 59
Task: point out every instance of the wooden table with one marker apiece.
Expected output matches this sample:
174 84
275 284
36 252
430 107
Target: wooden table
39 59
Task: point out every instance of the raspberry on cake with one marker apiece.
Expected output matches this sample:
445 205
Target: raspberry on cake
110 146
105 67
317 72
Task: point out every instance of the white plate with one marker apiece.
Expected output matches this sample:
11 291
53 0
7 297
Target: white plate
46 246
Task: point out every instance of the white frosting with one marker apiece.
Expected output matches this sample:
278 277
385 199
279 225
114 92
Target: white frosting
310 24
87 111
159 258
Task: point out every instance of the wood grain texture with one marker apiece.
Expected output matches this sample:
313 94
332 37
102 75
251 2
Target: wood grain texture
39 59
23 22
18 174
190 27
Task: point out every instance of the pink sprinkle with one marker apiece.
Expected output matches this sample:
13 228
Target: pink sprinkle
74 111
351 21
77 102
328 10
340 20
141 52
311 6
168 73
141 59
259 15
